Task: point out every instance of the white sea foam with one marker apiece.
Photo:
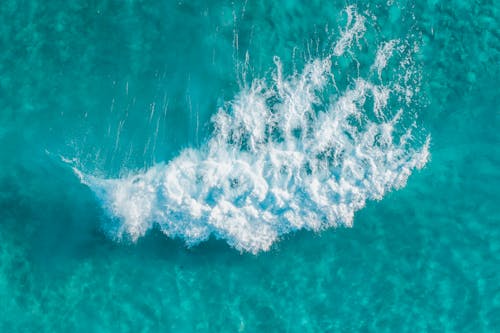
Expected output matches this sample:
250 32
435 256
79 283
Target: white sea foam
281 158
354 30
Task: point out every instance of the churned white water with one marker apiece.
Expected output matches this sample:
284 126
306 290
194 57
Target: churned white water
283 157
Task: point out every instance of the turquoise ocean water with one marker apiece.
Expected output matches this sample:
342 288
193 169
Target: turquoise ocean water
249 166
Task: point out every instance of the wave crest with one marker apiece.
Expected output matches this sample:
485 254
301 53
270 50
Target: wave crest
286 154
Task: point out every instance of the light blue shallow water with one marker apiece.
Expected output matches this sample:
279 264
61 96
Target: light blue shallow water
119 90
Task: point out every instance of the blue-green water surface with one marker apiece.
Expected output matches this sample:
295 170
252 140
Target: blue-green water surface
117 86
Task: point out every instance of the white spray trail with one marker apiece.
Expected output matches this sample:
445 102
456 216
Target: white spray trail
279 160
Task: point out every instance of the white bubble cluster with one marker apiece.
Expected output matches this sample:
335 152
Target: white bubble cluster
280 159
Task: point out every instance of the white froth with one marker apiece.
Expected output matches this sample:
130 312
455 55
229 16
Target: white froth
280 159
354 30
384 53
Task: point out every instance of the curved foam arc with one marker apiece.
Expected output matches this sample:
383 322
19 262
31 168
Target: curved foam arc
279 160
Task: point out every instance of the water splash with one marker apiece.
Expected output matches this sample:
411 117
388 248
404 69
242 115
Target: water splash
282 158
